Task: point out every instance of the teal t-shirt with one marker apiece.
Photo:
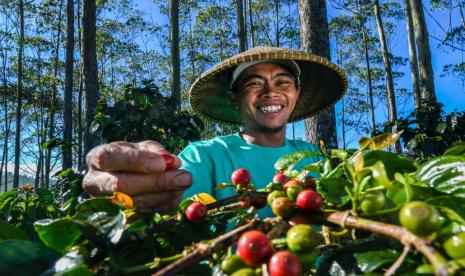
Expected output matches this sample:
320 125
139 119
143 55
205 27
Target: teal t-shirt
211 162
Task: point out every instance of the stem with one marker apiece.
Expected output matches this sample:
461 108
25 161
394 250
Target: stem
225 201
205 249
398 262
423 245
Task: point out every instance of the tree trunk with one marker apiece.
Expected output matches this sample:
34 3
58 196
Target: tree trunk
80 160
90 70
276 12
252 36
424 52
5 109
241 33
19 95
68 93
391 98
412 53
315 39
51 130
175 64
370 81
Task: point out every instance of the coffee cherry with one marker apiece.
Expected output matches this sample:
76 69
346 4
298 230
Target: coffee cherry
291 183
299 219
372 202
455 246
273 195
231 264
196 211
283 207
301 238
240 177
246 271
169 161
254 247
244 204
280 178
284 263
293 191
310 183
309 201
419 217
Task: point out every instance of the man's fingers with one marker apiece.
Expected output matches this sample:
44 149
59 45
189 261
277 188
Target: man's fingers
162 202
129 158
99 183
172 161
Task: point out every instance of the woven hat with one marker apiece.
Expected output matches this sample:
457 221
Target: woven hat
322 84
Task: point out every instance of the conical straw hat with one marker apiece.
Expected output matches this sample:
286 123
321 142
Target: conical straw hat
322 84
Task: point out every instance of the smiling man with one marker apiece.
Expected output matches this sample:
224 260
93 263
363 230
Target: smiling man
263 89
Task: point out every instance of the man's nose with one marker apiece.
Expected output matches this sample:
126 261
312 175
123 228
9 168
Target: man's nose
269 89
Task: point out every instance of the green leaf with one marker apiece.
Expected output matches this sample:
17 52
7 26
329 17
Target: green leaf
45 196
399 193
379 174
384 140
457 204
19 257
101 217
372 260
70 264
444 173
49 231
11 232
392 162
333 192
287 162
457 149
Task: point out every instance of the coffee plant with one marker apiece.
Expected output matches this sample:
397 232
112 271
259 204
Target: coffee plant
364 211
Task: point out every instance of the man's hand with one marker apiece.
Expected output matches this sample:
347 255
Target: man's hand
145 171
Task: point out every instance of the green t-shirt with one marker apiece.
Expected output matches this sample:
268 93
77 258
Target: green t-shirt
211 162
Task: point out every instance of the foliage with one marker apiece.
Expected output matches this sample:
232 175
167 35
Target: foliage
143 113
107 235
428 132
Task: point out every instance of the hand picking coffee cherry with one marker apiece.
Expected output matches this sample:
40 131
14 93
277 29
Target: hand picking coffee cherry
196 212
284 263
240 177
309 201
254 247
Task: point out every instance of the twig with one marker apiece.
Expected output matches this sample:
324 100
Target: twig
225 201
205 249
423 245
398 262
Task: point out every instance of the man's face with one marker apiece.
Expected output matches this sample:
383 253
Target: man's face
267 94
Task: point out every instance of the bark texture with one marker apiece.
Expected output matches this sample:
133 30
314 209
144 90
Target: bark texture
315 39
241 33
412 53
90 81
67 103
175 63
424 52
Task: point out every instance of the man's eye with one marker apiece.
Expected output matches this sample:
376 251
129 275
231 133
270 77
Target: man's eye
284 82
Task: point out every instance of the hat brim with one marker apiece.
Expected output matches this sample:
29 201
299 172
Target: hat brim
322 85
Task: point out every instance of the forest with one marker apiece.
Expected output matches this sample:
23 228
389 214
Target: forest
77 74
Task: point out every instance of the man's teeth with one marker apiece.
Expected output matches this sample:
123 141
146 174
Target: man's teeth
270 108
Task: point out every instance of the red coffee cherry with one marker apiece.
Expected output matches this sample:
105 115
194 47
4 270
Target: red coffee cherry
310 183
280 178
169 161
284 263
240 176
196 212
254 247
309 201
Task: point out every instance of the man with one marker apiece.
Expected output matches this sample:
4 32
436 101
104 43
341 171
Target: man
263 88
